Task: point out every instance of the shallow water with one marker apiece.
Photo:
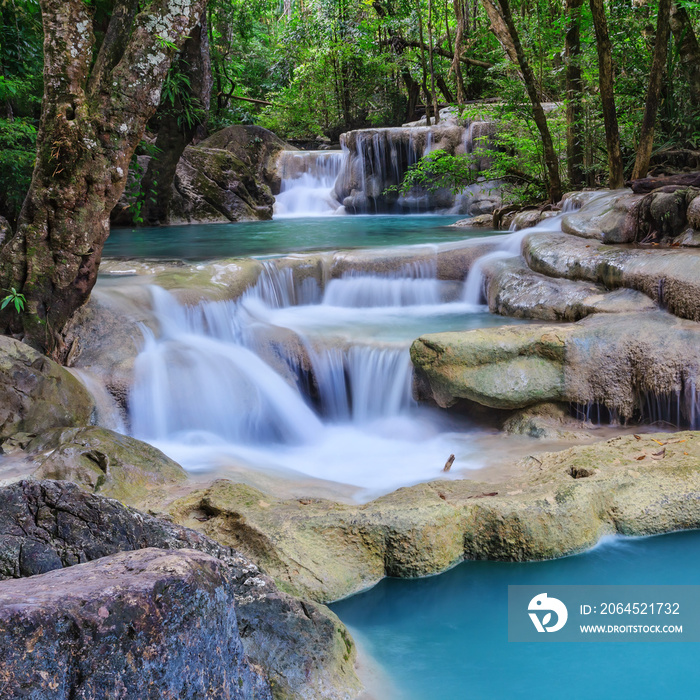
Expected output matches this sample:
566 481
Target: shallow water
210 241
446 636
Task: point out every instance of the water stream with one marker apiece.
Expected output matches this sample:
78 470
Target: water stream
447 636
305 377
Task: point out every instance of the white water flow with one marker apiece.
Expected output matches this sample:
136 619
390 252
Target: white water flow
510 246
308 178
298 379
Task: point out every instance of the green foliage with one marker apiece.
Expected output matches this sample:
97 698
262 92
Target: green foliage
136 195
439 170
177 96
17 154
18 300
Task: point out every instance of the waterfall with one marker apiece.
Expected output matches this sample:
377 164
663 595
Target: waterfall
308 178
362 383
192 384
510 247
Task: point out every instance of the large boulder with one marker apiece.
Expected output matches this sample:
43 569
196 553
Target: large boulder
622 361
230 176
36 393
515 290
213 185
303 648
146 624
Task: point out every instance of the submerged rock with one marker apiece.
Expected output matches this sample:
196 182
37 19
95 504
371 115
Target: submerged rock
36 393
554 504
302 647
145 624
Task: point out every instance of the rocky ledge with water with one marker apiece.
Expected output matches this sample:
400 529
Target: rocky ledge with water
253 369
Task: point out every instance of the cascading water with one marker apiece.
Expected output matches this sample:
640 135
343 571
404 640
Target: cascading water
510 246
308 178
340 408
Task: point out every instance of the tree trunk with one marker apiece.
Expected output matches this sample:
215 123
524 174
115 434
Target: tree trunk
550 155
688 49
500 30
426 92
456 66
93 117
658 66
433 89
607 94
174 132
574 90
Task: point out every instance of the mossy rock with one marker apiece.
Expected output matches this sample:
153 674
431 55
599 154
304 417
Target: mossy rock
36 393
105 462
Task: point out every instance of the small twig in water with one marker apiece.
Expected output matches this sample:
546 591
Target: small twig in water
448 464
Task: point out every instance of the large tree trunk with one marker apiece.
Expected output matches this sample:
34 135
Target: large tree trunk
607 94
175 132
93 117
688 49
658 66
574 89
550 155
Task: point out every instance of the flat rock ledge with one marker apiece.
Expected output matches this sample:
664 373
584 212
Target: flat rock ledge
145 624
557 504
300 648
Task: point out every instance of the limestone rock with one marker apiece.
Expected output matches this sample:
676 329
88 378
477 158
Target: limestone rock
146 624
104 462
480 221
610 218
669 276
214 185
516 291
547 421
303 648
554 504
37 394
612 359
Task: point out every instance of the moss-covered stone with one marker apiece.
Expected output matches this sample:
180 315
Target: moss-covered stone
36 393
104 462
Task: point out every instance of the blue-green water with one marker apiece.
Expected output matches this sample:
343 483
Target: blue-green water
204 242
445 637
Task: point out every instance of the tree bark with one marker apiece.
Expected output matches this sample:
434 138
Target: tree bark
93 117
174 134
456 66
500 30
658 69
607 94
550 155
433 89
424 67
688 49
574 90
